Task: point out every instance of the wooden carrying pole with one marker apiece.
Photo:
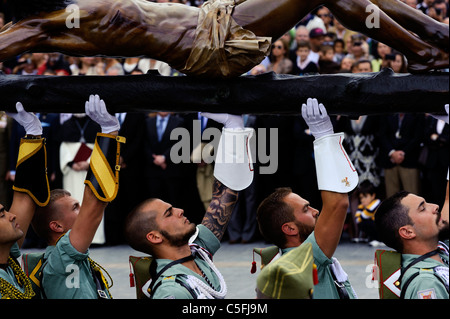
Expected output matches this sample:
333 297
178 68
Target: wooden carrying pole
269 93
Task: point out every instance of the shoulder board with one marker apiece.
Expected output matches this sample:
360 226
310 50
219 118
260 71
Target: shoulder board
169 278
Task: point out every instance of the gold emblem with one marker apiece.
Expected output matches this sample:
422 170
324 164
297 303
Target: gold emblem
346 182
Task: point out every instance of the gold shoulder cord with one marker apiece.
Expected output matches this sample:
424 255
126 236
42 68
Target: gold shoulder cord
97 267
8 291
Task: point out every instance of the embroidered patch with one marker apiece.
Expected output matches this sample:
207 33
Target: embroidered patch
427 294
442 272
346 182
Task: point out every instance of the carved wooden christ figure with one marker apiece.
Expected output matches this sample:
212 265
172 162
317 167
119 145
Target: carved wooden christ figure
223 38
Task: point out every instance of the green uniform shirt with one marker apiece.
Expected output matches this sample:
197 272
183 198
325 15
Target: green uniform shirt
326 288
67 273
169 288
8 274
427 285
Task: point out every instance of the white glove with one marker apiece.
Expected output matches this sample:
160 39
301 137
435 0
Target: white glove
29 121
96 110
317 118
442 117
228 120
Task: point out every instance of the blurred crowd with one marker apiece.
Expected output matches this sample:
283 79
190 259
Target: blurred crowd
391 152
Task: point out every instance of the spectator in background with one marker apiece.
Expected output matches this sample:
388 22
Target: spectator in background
303 64
341 33
52 62
339 50
314 21
290 38
279 60
243 225
329 38
435 160
132 186
199 174
74 63
400 138
131 190
89 66
162 177
25 65
380 61
326 61
358 49
362 66
362 146
316 39
326 16
113 67
365 214
301 35
346 65
397 62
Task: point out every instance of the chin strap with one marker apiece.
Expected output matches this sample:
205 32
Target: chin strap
103 175
31 170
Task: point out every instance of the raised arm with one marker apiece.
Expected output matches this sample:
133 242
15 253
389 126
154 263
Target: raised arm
102 178
31 186
233 171
336 176
219 212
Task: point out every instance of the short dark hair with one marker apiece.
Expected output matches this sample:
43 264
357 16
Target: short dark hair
44 215
138 224
364 61
389 217
272 213
366 187
303 44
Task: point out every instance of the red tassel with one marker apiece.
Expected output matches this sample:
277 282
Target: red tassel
253 267
253 270
315 275
131 276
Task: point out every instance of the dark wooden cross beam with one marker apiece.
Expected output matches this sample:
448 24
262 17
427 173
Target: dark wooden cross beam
345 94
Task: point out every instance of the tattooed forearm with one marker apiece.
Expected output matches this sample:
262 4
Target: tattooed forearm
219 211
